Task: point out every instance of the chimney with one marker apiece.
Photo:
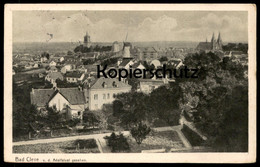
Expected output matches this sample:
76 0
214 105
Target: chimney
54 85
80 88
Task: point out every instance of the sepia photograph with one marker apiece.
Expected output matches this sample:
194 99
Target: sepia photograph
130 83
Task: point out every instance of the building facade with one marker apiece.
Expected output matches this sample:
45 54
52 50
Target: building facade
213 45
102 92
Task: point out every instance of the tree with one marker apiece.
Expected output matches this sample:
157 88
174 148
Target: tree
134 82
117 143
218 100
91 118
69 53
134 108
24 114
45 54
164 102
140 132
65 84
53 119
163 58
117 108
88 61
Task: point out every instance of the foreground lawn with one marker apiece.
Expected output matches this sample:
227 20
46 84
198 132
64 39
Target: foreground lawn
76 146
156 140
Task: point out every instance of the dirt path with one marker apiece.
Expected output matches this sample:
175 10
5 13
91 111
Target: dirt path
101 142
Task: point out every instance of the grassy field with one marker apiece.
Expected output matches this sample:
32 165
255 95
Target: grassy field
156 140
76 146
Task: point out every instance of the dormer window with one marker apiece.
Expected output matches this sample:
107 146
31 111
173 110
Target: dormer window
104 84
114 84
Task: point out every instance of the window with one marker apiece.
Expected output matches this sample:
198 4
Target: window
108 96
95 96
104 96
79 113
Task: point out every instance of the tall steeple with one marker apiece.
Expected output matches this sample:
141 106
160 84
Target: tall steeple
219 38
213 42
213 37
219 41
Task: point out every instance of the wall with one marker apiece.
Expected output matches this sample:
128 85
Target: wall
98 104
59 100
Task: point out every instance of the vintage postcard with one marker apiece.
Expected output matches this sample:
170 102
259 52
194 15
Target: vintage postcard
168 83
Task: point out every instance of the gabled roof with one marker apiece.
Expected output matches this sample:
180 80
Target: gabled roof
125 62
52 61
204 46
74 74
135 65
73 95
55 75
98 84
40 97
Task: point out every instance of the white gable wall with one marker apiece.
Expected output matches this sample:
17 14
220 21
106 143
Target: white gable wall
59 101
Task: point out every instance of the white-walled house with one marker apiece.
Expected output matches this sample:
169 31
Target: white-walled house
102 91
74 77
148 85
43 59
52 63
69 101
126 63
61 59
66 68
156 63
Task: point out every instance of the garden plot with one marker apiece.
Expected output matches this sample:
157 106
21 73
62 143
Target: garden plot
157 140
75 146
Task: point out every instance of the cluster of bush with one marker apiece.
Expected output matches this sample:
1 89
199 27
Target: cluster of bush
117 143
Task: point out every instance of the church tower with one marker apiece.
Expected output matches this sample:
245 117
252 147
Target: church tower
87 40
219 42
213 41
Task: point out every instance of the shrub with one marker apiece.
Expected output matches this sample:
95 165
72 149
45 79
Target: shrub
117 143
140 132
160 123
81 144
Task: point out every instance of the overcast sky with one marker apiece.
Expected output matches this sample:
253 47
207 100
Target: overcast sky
109 26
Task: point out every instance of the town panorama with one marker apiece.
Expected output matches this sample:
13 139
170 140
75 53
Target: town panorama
60 96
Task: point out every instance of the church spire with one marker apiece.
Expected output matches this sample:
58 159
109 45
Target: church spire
213 37
219 38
